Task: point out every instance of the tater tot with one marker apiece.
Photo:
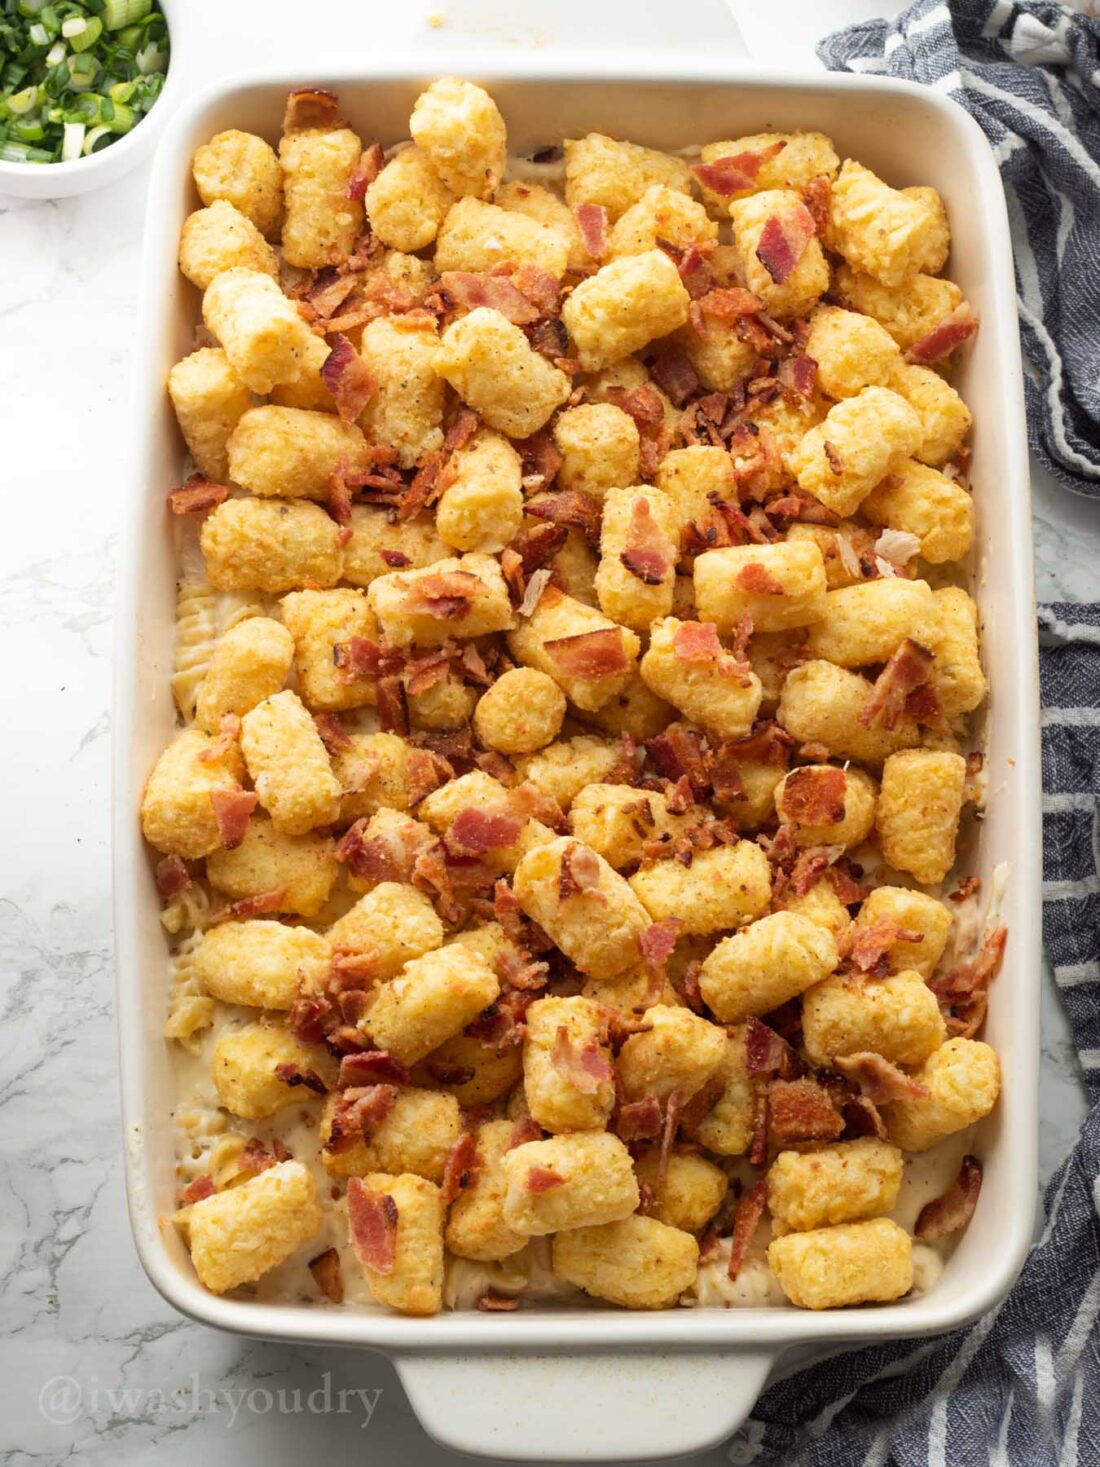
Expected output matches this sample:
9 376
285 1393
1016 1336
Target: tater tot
407 202
774 959
386 929
908 312
865 623
860 441
242 169
636 711
851 351
680 1052
460 597
797 290
475 1224
322 219
288 764
482 506
599 445
413 1283
249 663
821 704
373 770
521 712
689 476
285 452
912 912
944 418
302 869
897 1017
270 545
720 356
846 1182
689 1193
918 811
563 769
880 230
221 238
957 675
459 129
261 332
398 833
822 905
770 160
480 237
550 640
179 805
923 502
261 963
619 821
798 802
432 998
309 389
493 367
779 586
727 1128
963 1080
598 924
378 544
639 1262
698 677
237 1235
853 1263
638 545
603 171
415 1136
210 400
245 1068
623 307
322 624
573 1181
662 213
722 888
549 209
567 1073
405 411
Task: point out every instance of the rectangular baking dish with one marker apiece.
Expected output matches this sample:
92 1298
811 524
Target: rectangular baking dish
599 1384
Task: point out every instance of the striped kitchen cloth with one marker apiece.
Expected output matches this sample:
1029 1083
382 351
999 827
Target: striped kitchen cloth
1021 1387
1030 74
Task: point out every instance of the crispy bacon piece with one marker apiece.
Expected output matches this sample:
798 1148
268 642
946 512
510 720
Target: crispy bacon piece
536 285
736 172
908 668
339 500
533 591
569 507
810 865
649 553
469 289
657 943
585 1067
951 1212
541 457
783 241
923 705
371 1067
491 1303
359 657
589 655
801 1110
832 457
232 809
862 1117
797 375
460 1167
815 796
425 771
966 888
678 753
367 170
963 992
293 1075
425 488
542 1179
870 945
348 378
768 1053
592 223
372 1223
944 337
536 545
474 830
673 372
255 1157
520 970
196 1191
308 107
695 272
196 496
640 1120
173 877
325 1269
524 1130
393 707
443 595
580 871
750 1210
756 580
844 882
643 404
326 291
878 1079
358 1114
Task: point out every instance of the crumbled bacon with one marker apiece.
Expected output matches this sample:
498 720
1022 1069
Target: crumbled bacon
371 1067
849 889
695 272
255 1157
372 1223
640 1120
649 554
533 591
756 580
643 404
348 378
963 992
783 241
870 944
736 172
469 289
491 1303
580 871
832 457
794 506
951 1212
517 969
542 1179
750 1209
325 1269
817 196
569 507
358 1114
909 668
592 224
944 337
815 795
585 1067
311 107
393 707
924 707
589 656
196 1191
293 1075
460 1167
673 372
359 657
768 1053
524 1130
862 1117
196 496
232 809
797 375
966 888
801 1110
173 877
680 753
878 1079
366 171
476 830
657 943
443 595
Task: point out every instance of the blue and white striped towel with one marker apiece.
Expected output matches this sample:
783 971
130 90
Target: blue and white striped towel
1030 75
1021 1388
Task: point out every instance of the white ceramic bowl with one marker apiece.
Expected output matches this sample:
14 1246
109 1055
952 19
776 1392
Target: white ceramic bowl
600 1384
63 180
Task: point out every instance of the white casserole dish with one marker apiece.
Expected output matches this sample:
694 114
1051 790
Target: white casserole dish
569 1384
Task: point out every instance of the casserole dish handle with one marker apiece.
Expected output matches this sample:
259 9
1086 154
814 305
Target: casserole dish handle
568 1406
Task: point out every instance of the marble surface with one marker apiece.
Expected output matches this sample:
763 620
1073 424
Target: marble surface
97 1367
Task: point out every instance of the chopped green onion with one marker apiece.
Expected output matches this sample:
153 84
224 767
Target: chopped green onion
150 59
24 101
27 132
96 135
57 53
20 153
39 35
119 13
73 141
85 39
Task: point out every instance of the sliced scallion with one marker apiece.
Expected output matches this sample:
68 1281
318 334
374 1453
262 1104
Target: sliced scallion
72 141
119 13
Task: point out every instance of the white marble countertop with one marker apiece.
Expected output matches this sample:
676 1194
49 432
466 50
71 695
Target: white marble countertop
73 1299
